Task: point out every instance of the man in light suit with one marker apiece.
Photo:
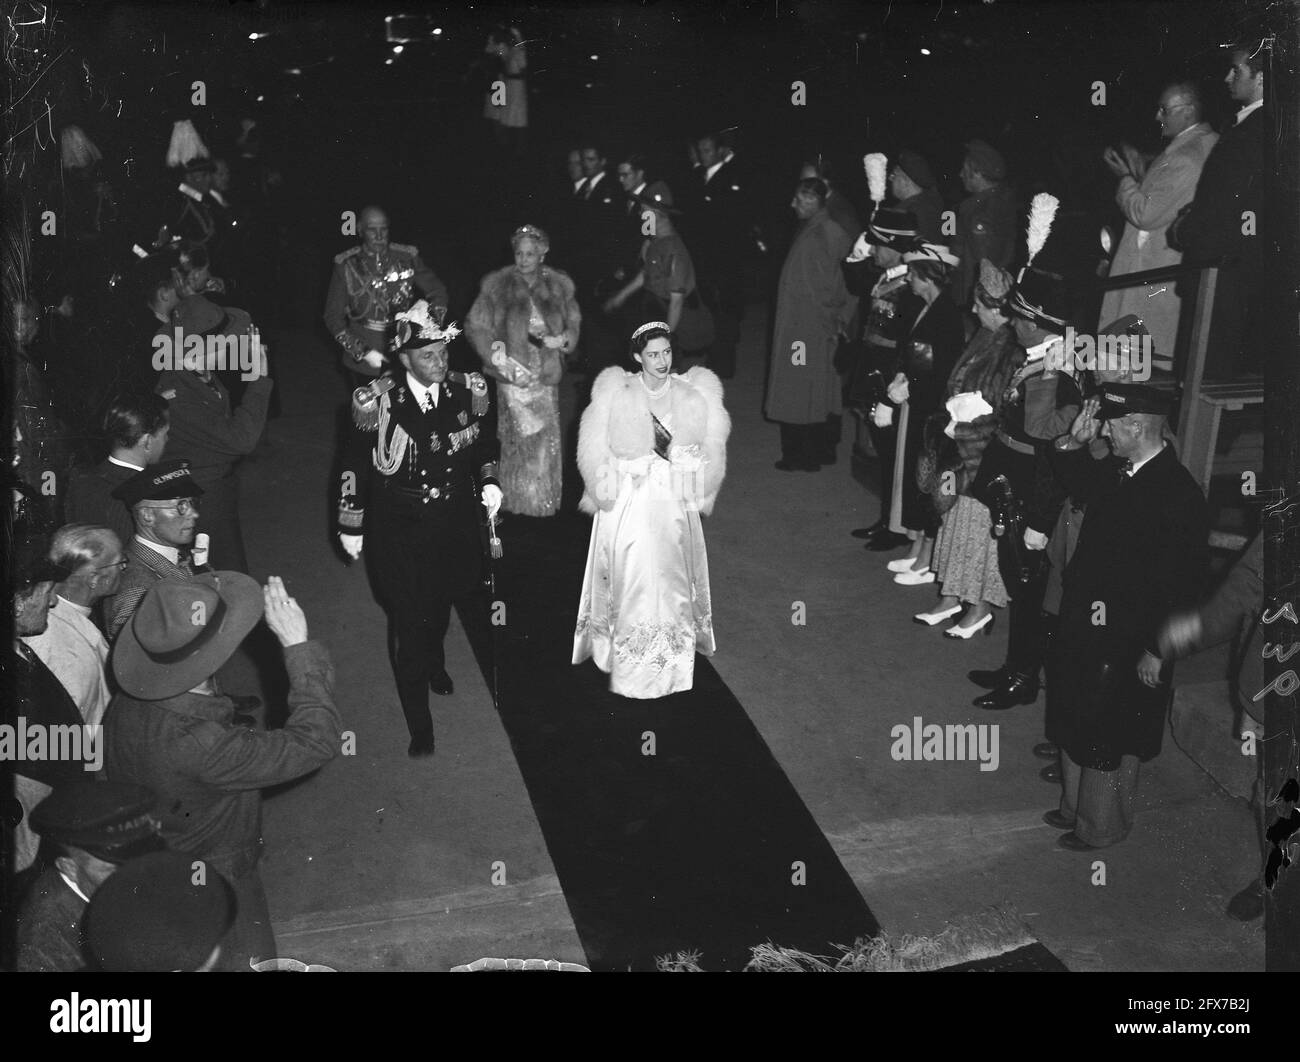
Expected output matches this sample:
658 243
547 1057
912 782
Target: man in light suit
1150 200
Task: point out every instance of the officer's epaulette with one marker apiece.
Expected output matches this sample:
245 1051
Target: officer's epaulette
405 248
342 257
477 388
365 402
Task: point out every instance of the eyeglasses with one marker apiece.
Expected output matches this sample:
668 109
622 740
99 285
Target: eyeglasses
181 507
121 564
1169 108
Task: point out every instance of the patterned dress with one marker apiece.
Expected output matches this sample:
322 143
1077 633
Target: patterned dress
529 428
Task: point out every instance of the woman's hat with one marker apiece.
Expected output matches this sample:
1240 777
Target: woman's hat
932 252
994 286
418 329
182 632
199 316
657 196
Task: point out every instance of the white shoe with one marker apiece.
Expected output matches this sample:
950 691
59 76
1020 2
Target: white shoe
931 619
903 564
914 578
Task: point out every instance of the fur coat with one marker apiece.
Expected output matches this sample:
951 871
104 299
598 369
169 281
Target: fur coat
617 426
501 313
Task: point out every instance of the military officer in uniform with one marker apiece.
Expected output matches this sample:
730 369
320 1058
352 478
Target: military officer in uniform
371 283
415 467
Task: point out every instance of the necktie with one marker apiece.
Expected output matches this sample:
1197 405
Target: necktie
185 559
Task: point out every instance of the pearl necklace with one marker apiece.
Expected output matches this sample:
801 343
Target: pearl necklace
655 394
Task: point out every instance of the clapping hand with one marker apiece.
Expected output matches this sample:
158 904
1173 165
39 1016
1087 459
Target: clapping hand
1116 163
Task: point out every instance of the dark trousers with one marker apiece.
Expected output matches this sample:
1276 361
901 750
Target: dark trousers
250 938
1029 627
219 519
885 441
425 557
724 293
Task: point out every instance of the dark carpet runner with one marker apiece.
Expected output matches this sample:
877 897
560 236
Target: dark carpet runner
691 849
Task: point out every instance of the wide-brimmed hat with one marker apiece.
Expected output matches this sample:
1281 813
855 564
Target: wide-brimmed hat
182 632
915 166
417 329
932 252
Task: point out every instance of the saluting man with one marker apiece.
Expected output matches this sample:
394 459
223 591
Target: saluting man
373 282
415 466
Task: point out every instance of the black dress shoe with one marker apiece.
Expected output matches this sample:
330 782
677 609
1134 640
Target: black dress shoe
1057 821
441 684
887 540
1051 773
1020 690
1248 904
875 529
1046 750
989 680
420 746
1074 844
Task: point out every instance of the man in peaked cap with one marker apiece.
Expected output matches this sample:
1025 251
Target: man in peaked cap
164 504
913 185
167 729
94 826
1142 553
153 916
415 466
373 282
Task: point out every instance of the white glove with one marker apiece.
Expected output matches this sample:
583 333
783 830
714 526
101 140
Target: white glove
374 359
898 391
882 416
861 249
352 545
492 497
1035 539
951 429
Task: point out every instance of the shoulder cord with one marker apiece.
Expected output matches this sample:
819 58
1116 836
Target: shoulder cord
389 455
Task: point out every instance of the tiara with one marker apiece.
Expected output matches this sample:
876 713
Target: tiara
530 230
649 325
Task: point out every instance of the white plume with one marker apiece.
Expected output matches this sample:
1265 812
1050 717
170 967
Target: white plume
1042 212
876 166
185 145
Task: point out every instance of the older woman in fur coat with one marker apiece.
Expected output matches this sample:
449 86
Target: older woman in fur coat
652 451
524 319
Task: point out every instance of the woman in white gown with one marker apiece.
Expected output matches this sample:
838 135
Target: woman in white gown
652 450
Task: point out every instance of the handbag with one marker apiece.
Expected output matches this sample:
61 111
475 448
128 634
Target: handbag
940 471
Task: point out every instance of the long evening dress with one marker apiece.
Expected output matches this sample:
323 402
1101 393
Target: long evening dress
645 609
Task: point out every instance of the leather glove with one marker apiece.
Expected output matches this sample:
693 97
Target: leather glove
352 545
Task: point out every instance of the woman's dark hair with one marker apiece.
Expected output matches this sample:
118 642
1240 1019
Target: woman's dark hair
937 273
133 415
812 186
639 342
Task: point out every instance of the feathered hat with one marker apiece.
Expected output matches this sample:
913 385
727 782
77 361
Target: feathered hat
877 167
1040 294
417 328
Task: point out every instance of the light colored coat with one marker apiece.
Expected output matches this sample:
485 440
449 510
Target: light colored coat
1149 207
812 306
617 426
